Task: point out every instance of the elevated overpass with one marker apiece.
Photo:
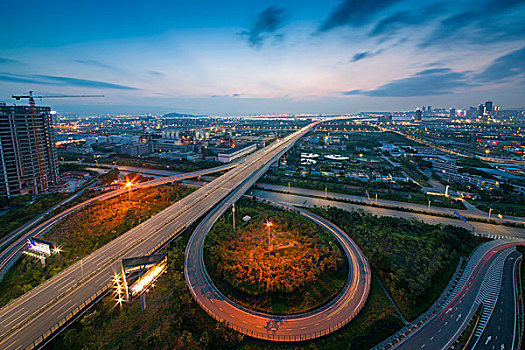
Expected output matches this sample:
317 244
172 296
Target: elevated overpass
29 320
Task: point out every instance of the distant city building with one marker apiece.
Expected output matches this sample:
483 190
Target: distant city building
429 109
473 112
384 118
481 110
28 155
418 115
449 171
452 113
231 154
134 150
489 107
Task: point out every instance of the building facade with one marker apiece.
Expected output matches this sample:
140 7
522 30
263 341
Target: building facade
28 158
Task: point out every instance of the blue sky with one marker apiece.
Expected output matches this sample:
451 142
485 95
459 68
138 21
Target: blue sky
241 57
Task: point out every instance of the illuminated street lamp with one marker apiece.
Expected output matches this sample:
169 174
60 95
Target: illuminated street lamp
269 225
128 186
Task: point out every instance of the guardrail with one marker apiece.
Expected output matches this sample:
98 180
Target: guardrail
395 339
68 317
283 338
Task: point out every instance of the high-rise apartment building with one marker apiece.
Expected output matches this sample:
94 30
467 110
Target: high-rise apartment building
28 158
488 107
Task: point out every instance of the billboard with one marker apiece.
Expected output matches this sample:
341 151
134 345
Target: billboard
40 246
149 277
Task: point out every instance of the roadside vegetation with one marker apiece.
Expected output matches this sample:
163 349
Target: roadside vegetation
83 232
414 260
305 267
22 209
173 320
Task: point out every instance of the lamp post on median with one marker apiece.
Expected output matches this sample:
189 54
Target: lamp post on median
128 186
269 225
490 211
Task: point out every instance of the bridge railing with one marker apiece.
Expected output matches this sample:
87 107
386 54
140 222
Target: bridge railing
68 317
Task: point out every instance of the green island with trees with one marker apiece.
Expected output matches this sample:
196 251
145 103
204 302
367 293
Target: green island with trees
304 268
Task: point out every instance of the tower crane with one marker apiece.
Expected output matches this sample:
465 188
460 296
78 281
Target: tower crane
38 145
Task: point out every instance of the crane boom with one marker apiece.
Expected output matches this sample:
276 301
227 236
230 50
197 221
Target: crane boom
31 96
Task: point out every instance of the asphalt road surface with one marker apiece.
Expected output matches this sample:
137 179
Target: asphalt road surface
12 251
489 230
471 211
499 332
481 287
310 325
28 318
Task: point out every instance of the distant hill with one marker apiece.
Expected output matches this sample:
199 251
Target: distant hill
180 115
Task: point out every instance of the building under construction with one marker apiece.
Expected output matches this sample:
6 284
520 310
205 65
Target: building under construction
28 158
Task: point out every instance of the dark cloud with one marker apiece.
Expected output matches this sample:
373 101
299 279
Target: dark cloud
393 22
4 60
354 13
95 63
359 56
486 22
352 92
439 81
58 80
511 65
85 82
265 26
227 95
366 54
16 78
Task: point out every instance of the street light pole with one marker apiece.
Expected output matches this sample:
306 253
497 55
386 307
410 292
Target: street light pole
490 211
429 204
269 224
233 211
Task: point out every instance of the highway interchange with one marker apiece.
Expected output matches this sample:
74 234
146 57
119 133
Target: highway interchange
25 320
304 326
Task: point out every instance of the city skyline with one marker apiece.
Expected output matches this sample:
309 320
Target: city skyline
259 57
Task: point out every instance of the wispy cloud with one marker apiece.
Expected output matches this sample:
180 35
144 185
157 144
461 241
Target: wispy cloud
156 73
365 54
483 23
354 13
97 64
227 95
511 65
4 60
59 80
437 81
265 26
